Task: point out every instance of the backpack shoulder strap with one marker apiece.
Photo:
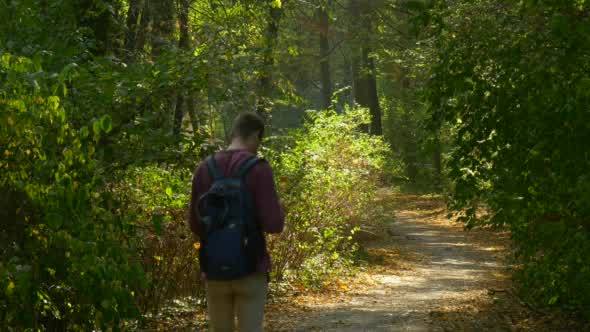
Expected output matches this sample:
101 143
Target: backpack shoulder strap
214 171
247 166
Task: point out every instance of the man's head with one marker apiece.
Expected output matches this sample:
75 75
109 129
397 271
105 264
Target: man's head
247 130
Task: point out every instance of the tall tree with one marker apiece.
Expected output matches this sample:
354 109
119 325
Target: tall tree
324 25
368 69
275 12
358 85
162 12
363 64
372 94
134 15
97 19
184 45
437 158
145 26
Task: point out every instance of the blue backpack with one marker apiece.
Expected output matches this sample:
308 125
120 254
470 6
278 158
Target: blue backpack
233 241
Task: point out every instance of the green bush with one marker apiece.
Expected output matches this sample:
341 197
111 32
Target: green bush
66 254
157 196
89 243
518 107
327 173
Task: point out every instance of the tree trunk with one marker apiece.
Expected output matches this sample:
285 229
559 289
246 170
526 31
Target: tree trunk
359 88
355 61
183 44
163 25
102 25
363 65
184 40
372 95
98 20
410 145
145 27
325 57
263 106
43 6
368 70
178 114
134 16
193 116
437 159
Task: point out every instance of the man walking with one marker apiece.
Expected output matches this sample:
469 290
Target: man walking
234 202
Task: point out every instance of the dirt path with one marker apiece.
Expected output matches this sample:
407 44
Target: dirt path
424 274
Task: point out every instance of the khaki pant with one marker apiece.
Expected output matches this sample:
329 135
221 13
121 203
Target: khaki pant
243 297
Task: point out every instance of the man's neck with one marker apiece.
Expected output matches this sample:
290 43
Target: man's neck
239 145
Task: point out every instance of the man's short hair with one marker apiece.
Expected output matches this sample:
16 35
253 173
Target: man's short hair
246 124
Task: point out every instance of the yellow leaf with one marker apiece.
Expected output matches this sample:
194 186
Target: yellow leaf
10 288
276 4
197 245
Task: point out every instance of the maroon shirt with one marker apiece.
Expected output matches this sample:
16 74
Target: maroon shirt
260 182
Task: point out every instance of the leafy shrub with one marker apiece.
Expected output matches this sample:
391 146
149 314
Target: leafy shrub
157 196
66 258
519 110
89 242
328 172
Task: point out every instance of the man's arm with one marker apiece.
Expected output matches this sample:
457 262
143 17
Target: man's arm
266 201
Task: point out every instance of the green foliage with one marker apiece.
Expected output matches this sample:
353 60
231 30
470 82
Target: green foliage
328 172
65 255
406 60
153 190
512 81
157 197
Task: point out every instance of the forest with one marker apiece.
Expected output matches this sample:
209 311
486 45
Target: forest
107 106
